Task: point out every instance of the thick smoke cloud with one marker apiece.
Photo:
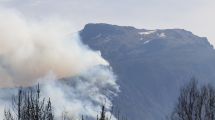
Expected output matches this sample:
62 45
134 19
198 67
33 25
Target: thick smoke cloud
83 94
29 50
76 78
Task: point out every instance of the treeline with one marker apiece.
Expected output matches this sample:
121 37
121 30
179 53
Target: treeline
195 102
29 105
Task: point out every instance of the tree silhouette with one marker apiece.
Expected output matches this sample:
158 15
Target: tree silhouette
28 105
195 103
102 117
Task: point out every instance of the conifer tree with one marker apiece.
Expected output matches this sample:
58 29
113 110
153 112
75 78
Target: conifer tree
102 117
28 105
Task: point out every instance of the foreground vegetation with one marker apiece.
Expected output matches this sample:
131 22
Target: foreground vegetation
28 105
195 102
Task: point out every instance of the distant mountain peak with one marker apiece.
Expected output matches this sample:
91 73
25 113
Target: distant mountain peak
151 65
132 36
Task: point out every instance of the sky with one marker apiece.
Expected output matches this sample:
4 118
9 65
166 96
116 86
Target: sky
196 16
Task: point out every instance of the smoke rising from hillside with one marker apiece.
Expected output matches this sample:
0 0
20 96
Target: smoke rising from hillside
82 95
29 50
45 51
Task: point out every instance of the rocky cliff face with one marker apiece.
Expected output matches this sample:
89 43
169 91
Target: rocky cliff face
151 65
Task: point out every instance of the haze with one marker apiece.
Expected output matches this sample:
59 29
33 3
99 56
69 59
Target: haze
193 15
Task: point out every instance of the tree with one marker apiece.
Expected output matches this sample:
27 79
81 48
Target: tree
49 115
102 117
195 103
28 105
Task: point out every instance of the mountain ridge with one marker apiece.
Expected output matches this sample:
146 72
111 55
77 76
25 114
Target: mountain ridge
151 65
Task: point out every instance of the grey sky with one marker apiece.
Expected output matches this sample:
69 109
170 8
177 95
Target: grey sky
194 15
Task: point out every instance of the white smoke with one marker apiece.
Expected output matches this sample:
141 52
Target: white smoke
82 95
30 50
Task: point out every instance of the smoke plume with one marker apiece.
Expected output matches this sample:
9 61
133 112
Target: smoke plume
76 78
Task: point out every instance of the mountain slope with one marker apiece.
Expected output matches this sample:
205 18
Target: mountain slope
151 65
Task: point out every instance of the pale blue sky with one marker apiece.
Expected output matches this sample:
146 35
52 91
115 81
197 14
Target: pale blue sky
194 15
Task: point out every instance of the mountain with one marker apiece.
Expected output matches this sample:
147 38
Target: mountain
151 65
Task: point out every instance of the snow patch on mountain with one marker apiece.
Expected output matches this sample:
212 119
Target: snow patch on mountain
146 42
147 32
97 36
162 35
